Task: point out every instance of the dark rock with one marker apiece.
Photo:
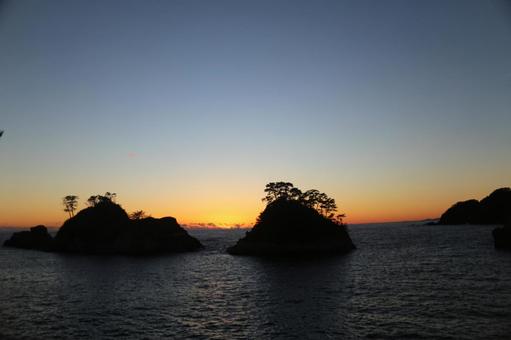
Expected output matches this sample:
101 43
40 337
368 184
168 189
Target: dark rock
92 230
466 212
152 235
431 223
494 209
107 229
289 228
502 237
37 238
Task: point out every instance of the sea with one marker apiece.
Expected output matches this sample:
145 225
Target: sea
403 281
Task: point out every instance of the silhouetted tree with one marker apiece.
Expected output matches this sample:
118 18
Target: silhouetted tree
314 199
111 196
1 133
280 190
138 215
70 202
339 219
94 200
310 198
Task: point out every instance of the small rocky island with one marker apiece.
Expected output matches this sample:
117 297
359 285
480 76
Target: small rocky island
295 223
502 237
493 209
105 228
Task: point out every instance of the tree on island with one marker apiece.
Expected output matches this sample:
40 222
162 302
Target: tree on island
314 199
138 215
95 200
70 203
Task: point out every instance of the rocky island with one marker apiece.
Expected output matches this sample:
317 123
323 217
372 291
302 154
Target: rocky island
502 237
36 238
295 223
493 209
105 228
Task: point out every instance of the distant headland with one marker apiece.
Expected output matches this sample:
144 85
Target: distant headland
493 209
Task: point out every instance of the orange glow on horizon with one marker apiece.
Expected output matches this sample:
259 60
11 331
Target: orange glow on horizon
241 206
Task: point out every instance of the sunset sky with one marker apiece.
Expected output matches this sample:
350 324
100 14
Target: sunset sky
397 109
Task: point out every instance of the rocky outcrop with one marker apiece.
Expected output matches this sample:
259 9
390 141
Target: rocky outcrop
493 209
107 229
289 228
154 235
36 238
92 230
502 237
465 212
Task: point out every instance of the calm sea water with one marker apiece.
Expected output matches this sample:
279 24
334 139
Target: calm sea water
431 282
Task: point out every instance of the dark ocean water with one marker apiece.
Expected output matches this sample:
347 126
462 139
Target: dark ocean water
417 282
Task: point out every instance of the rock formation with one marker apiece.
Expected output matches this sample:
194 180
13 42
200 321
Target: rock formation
106 229
287 227
502 237
493 209
36 238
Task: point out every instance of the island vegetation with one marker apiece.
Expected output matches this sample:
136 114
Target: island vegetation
295 222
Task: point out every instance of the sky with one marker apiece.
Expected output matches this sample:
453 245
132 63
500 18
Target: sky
397 109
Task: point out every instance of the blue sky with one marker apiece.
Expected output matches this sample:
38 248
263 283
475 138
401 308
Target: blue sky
176 104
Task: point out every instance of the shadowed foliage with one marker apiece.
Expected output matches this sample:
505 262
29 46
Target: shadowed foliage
70 203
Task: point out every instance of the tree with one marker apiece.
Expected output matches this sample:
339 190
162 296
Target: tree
70 203
280 190
138 215
110 196
310 198
339 219
313 198
327 206
94 200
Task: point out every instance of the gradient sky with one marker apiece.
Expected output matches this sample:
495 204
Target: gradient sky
397 109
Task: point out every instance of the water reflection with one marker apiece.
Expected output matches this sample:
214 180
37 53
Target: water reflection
303 297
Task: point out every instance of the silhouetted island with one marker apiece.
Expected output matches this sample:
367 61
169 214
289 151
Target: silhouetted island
36 238
295 223
493 209
105 228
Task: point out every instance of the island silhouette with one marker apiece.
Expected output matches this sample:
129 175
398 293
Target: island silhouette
104 227
292 223
493 209
295 223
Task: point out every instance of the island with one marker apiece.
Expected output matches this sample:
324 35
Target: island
295 223
493 209
104 227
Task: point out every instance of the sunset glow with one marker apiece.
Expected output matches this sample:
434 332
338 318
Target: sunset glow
396 116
